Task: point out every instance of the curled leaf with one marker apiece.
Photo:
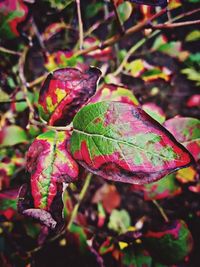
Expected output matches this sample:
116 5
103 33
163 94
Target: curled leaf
64 92
121 142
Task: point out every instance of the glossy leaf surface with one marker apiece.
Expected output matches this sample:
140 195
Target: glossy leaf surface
187 132
171 244
121 142
64 92
49 163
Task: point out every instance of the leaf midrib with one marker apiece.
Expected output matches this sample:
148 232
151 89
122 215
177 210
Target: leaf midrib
91 135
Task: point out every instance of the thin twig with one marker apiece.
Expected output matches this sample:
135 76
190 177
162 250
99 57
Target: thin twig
99 23
117 37
37 80
80 24
9 51
175 25
23 82
81 196
161 210
39 37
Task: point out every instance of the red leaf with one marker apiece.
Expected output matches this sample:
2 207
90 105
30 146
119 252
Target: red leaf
64 92
108 195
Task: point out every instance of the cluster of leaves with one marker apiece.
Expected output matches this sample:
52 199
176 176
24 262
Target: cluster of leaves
126 130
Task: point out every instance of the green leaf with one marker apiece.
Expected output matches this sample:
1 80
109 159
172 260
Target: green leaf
192 74
12 135
119 221
121 142
59 4
124 11
193 36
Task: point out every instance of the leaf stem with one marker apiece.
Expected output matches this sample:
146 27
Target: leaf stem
81 196
161 210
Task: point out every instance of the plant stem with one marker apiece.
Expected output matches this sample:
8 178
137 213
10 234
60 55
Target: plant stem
81 196
161 210
80 24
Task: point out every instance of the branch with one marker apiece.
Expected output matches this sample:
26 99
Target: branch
9 51
118 37
80 24
22 60
175 25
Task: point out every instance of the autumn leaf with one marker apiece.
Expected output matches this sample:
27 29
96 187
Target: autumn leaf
170 244
113 92
121 142
187 132
64 92
49 164
12 12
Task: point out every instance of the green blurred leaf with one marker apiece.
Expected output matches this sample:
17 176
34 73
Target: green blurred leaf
12 135
193 36
119 221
